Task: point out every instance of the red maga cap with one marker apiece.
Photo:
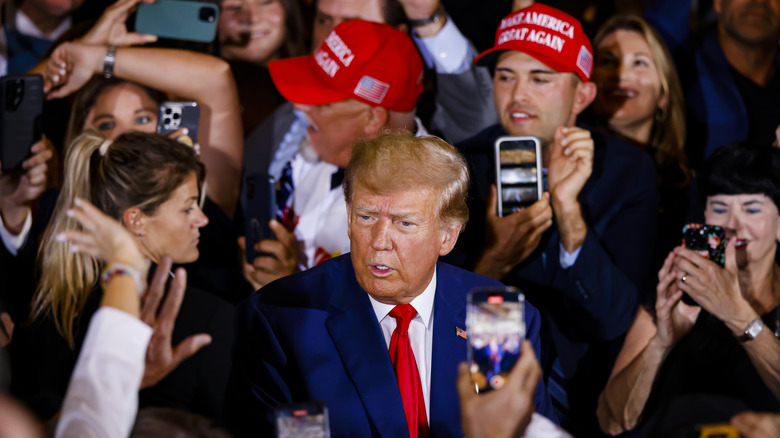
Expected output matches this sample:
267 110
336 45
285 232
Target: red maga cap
549 35
370 62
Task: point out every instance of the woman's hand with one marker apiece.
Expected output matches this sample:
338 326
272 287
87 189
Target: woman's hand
102 237
714 288
70 66
111 28
161 356
674 318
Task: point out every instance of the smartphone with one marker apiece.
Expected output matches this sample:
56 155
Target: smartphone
259 195
495 327
178 20
302 420
21 125
176 115
518 173
707 240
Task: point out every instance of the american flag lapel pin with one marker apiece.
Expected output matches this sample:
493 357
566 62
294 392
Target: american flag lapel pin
460 332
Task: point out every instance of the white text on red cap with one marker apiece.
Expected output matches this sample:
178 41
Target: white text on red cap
538 36
541 20
339 49
342 52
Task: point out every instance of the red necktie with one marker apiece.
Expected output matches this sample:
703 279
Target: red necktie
406 372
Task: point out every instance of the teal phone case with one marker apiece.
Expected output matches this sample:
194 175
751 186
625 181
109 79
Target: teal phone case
178 20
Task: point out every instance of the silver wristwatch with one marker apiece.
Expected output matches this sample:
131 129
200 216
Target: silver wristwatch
108 62
752 331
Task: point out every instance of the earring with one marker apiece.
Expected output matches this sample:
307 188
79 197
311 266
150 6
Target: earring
660 115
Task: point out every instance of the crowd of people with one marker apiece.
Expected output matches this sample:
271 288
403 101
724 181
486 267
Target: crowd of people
140 296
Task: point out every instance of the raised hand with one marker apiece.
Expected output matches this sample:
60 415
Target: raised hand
674 318
111 28
504 412
571 163
102 237
70 66
714 288
18 191
265 269
161 356
512 238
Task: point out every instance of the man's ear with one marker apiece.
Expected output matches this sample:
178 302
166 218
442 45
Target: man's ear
583 96
449 238
134 220
378 118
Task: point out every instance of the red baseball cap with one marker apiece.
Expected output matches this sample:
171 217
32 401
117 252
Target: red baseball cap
549 35
370 62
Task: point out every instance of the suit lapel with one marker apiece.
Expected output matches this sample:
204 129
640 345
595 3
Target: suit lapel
355 332
449 311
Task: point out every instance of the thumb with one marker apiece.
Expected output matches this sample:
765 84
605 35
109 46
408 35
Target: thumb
560 134
464 383
188 347
242 243
134 38
731 255
281 233
492 202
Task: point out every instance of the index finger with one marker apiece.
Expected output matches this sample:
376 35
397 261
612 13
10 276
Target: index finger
173 301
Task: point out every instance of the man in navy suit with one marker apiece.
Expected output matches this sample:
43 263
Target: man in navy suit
582 251
324 334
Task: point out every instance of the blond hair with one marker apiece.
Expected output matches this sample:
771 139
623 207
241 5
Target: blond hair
135 170
397 161
667 139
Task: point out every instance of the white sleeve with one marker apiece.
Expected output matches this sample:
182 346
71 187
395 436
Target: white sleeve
14 243
541 427
568 259
102 397
448 51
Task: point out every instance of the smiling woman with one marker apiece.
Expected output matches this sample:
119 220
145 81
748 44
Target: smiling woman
640 100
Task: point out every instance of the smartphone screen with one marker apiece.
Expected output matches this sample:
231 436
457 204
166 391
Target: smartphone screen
518 173
495 328
259 208
707 240
302 420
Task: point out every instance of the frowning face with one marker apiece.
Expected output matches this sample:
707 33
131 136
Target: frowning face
396 239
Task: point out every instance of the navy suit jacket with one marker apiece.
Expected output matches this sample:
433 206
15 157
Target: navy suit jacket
315 336
588 307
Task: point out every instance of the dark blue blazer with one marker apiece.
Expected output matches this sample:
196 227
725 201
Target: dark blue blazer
588 307
315 336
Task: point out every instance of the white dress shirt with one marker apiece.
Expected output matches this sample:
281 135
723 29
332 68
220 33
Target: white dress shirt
420 334
14 243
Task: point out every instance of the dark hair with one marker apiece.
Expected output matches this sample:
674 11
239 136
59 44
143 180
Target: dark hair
89 94
294 33
394 13
742 168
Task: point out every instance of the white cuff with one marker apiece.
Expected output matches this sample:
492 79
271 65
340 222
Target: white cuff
14 243
567 259
448 51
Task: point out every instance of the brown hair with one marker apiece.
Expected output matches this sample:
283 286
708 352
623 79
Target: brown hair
667 140
88 95
137 170
400 161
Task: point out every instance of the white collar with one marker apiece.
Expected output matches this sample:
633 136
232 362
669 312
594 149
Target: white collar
422 303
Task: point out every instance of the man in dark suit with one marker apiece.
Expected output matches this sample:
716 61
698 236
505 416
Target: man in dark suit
324 334
581 251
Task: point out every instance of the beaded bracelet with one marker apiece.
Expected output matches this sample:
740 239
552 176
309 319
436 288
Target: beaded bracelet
119 269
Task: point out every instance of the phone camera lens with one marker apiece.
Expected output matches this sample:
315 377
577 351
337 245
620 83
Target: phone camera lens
176 116
207 14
